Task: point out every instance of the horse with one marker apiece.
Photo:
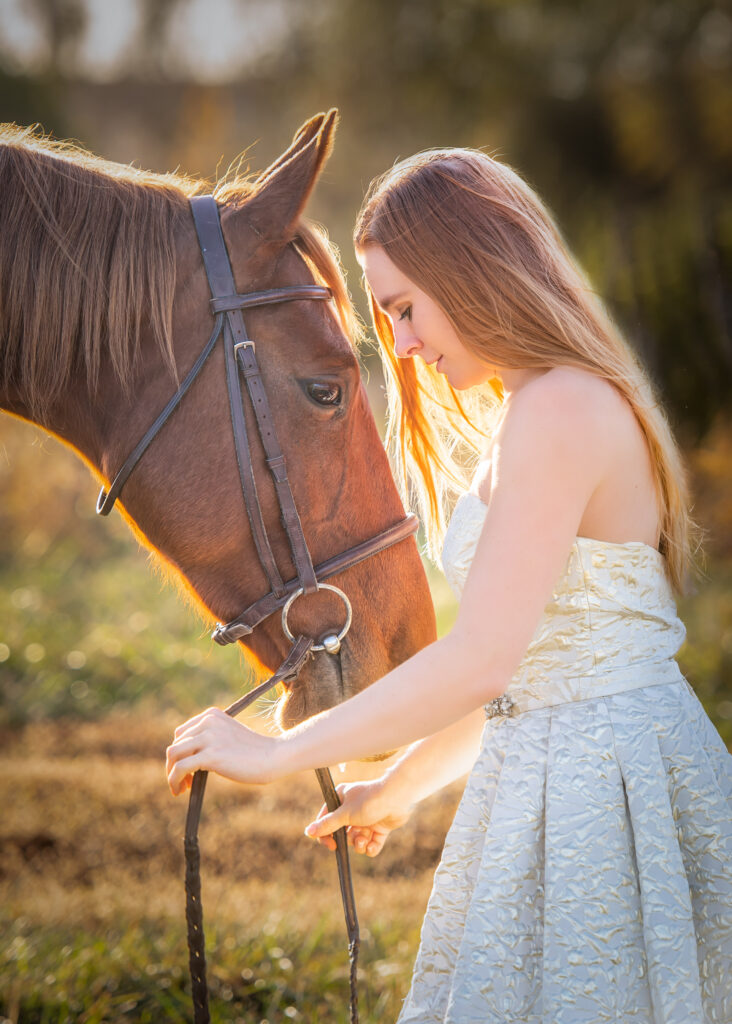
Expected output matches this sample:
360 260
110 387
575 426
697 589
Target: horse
104 308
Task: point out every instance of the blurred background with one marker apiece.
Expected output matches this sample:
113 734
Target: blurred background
620 115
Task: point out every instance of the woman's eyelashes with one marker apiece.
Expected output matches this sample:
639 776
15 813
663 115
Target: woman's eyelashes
406 314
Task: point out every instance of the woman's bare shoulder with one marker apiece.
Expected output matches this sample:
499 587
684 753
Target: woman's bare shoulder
570 415
566 415
574 384
571 399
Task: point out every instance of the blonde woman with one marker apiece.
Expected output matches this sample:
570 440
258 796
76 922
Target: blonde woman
587 876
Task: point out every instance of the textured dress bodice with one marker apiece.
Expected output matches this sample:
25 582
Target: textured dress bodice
610 622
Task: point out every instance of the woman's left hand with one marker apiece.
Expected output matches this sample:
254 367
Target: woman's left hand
215 742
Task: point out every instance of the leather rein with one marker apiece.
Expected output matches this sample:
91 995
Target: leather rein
240 359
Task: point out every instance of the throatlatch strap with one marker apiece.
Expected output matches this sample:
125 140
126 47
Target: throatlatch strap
106 499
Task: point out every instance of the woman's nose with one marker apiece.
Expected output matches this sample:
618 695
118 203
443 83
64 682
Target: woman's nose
405 343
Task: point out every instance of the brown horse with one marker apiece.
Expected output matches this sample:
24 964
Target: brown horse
104 307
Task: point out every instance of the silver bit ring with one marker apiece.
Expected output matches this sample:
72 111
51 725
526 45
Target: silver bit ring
321 586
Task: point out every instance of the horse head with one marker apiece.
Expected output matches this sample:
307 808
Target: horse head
184 498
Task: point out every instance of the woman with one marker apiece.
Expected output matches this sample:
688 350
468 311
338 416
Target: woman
587 875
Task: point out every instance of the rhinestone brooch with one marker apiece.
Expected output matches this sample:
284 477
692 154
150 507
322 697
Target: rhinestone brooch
502 705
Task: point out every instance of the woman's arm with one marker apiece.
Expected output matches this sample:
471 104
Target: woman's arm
550 454
437 760
431 691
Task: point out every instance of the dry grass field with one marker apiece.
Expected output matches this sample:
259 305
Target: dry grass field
91 870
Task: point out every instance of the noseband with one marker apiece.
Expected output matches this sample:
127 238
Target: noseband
240 359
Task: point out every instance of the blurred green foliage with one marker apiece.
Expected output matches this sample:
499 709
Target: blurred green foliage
618 114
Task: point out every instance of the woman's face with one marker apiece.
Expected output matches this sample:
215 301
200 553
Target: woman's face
420 326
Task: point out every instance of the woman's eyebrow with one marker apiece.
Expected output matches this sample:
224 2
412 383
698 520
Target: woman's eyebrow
391 300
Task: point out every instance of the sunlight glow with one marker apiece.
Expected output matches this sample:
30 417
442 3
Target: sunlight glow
22 46
209 41
212 40
110 33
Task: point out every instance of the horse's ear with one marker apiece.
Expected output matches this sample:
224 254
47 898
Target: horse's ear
304 135
282 191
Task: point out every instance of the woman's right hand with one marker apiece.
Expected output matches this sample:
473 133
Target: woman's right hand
369 810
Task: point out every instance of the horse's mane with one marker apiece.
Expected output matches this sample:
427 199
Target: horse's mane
88 257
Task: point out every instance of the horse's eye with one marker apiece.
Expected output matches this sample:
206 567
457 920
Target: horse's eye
324 393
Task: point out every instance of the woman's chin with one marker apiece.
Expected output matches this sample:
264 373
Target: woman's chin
465 382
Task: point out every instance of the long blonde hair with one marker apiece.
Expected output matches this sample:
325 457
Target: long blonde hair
470 232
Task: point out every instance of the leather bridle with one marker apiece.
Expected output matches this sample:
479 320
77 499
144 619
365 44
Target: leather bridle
240 358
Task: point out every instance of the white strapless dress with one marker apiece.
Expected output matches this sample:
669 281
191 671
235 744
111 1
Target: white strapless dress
587 876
